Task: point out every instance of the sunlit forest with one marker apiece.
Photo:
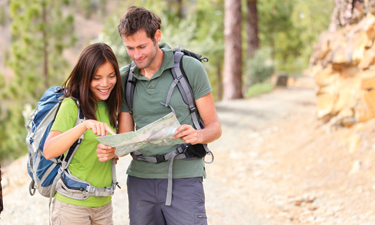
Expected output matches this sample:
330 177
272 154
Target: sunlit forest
41 41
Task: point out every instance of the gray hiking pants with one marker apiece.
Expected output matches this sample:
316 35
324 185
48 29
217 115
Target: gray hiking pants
147 202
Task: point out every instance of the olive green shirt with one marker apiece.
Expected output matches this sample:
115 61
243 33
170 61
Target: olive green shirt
147 108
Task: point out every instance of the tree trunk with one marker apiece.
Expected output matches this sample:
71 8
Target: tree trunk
347 12
252 27
179 8
45 46
232 55
219 95
272 45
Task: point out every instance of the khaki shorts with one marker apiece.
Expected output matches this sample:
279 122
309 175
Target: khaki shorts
67 214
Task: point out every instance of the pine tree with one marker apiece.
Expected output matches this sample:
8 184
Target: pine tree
252 27
40 33
41 30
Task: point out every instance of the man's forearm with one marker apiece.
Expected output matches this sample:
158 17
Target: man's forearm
209 133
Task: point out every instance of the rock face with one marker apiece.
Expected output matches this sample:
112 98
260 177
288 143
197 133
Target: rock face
343 66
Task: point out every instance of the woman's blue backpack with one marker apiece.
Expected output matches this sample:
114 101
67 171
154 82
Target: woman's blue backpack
49 176
41 170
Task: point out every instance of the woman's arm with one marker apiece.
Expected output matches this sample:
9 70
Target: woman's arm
57 143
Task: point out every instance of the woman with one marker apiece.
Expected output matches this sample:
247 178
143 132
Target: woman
95 84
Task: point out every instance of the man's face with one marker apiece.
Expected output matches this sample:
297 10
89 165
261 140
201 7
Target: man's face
141 49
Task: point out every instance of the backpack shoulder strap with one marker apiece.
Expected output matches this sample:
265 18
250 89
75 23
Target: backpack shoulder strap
183 85
182 82
72 150
129 87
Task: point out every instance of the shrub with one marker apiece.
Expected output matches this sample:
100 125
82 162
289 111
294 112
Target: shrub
258 88
259 68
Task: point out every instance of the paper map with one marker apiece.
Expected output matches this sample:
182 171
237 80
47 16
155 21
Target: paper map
158 133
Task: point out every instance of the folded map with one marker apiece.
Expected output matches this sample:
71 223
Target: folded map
155 134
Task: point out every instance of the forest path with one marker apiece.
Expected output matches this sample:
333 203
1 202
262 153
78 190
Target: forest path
270 168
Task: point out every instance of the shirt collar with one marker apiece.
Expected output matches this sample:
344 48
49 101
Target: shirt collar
168 63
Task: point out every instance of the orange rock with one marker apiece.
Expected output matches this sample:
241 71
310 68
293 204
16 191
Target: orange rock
368 83
365 109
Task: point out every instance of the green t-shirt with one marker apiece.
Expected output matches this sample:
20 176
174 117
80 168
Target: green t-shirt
147 108
85 164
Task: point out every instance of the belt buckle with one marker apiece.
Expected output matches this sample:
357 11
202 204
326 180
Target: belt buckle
160 158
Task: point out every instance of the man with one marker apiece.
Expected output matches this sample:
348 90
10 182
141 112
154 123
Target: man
147 182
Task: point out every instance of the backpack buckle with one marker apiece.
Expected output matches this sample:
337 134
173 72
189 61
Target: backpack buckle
182 148
90 189
212 158
160 158
193 109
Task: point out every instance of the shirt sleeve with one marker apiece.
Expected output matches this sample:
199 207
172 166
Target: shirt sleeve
197 77
124 76
66 116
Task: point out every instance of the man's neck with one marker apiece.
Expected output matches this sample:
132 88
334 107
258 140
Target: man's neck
155 65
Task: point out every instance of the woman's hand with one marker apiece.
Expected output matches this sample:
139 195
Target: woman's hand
99 128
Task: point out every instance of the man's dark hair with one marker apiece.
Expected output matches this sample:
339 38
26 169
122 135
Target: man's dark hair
138 18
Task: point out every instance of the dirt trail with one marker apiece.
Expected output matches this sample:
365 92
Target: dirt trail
274 164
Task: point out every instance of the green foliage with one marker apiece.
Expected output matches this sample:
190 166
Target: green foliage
311 18
40 32
111 36
91 7
258 88
259 68
277 30
36 40
291 28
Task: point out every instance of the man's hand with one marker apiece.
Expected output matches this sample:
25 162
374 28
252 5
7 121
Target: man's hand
105 152
188 134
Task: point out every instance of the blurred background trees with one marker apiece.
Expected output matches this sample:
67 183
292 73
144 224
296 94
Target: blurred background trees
42 39
40 31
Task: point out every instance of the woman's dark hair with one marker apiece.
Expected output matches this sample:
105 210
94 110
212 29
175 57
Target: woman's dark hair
138 18
77 86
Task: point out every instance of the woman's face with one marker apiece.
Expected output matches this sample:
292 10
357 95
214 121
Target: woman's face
103 81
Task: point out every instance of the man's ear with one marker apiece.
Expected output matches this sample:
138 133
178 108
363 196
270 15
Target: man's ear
158 36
